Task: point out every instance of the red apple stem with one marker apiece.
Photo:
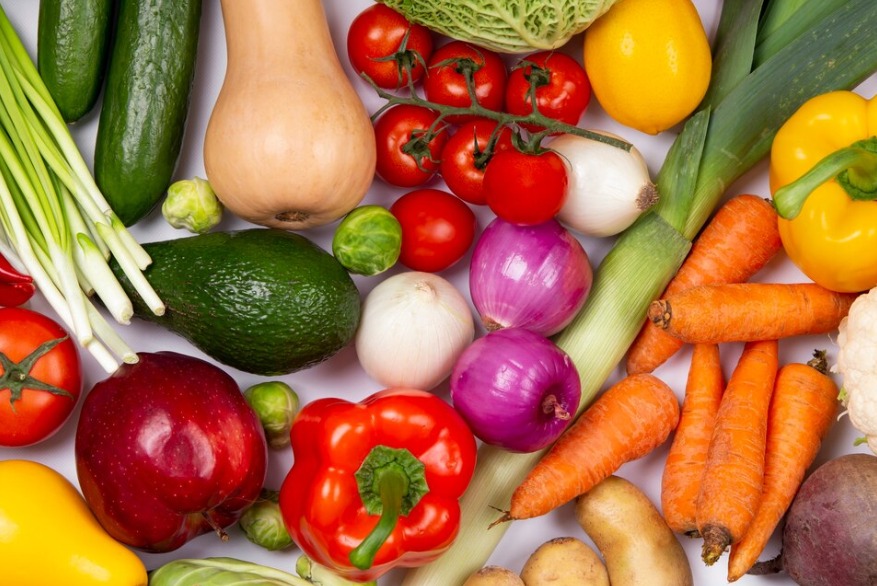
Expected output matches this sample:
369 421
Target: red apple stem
216 528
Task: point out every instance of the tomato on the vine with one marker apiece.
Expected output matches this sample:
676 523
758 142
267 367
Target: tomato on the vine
408 147
525 188
374 46
466 155
562 88
445 81
40 376
437 229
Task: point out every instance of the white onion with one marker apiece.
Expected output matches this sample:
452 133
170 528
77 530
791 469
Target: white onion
414 326
608 188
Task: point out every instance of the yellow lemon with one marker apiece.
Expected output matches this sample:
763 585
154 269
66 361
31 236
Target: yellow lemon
649 62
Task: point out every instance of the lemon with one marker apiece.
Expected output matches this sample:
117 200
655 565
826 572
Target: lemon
649 62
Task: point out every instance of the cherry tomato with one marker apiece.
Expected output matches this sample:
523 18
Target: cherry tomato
525 188
563 90
437 229
445 81
38 387
374 46
406 155
464 158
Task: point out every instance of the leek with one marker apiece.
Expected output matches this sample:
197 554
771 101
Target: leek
837 51
53 216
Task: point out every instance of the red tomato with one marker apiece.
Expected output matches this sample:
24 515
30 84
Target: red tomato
374 46
406 155
437 229
525 188
31 411
464 159
563 90
445 81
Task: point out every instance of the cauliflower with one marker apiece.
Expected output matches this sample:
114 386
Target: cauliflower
857 364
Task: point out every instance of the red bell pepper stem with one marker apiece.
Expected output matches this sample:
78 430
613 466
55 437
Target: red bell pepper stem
393 483
15 287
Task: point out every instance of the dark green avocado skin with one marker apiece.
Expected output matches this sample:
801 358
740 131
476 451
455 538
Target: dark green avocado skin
264 301
146 103
73 41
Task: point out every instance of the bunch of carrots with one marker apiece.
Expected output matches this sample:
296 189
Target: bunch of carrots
741 447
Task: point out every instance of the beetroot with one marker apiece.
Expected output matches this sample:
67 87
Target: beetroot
830 536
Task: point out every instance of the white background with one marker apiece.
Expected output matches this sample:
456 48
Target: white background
341 376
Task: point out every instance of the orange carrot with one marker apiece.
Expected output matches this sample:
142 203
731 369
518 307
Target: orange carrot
739 240
730 490
628 421
745 312
683 469
802 409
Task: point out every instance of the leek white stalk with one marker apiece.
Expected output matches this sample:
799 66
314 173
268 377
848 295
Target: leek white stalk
414 326
608 188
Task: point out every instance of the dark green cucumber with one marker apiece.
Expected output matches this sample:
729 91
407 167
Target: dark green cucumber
264 301
73 40
146 102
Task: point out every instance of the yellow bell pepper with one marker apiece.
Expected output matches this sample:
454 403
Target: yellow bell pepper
823 177
48 535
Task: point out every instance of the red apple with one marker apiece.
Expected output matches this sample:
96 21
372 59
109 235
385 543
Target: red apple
168 449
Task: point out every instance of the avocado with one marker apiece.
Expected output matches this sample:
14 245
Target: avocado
264 301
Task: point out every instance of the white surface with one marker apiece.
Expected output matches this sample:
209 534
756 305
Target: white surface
341 375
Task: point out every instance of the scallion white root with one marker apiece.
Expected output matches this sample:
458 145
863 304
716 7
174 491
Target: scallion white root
54 220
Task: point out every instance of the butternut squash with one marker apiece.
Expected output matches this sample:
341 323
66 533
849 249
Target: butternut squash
289 144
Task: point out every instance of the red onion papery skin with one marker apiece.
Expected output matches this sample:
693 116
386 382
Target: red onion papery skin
534 277
516 389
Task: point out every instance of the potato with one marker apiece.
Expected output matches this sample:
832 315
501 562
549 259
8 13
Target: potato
634 539
494 576
564 561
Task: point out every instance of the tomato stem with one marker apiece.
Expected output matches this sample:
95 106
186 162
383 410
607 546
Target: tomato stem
16 375
467 67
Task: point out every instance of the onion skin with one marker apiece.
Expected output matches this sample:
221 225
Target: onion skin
533 277
516 389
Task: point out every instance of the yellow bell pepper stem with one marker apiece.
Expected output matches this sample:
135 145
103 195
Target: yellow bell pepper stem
854 168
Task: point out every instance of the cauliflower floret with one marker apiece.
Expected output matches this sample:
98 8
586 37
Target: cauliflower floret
857 364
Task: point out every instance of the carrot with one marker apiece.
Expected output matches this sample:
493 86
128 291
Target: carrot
730 490
802 410
745 312
738 241
628 421
683 469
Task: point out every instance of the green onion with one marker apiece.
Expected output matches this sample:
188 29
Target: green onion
53 216
836 51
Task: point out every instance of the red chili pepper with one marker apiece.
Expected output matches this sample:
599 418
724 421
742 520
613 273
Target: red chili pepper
15 287
376 484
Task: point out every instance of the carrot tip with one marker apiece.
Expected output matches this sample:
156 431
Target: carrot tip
660 313
504 518
715 541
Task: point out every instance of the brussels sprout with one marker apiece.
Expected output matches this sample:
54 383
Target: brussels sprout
317 574
368 240
192 204
262 522
276 405
216 571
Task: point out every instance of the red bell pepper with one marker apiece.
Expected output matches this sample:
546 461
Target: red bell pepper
15 287
376 484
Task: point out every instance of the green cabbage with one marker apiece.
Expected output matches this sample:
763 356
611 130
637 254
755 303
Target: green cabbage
221 571
505 26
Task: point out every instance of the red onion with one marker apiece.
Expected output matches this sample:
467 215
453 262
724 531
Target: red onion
534 277
516 389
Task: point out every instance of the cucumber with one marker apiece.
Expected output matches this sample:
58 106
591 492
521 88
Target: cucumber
146 103
264 301
73 40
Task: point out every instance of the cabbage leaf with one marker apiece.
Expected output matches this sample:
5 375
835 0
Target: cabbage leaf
505 26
